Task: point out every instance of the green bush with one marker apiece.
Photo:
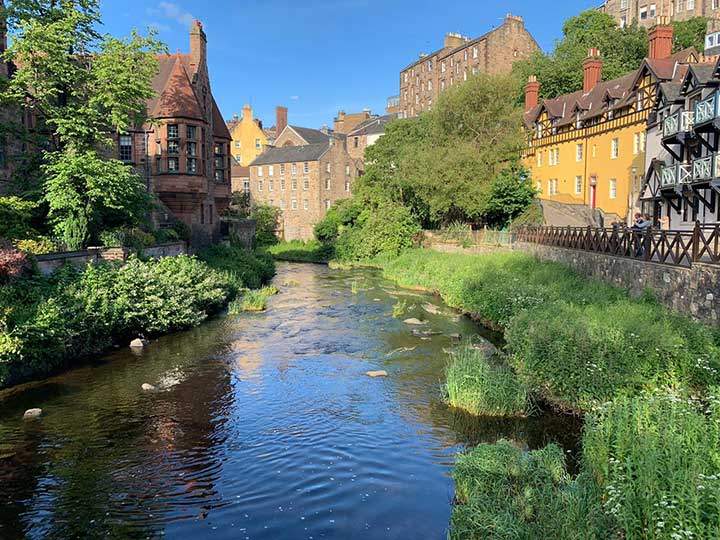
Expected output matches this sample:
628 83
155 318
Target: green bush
299 251
504 493
248 269
482 386
37 246
129 238
656 459
15 217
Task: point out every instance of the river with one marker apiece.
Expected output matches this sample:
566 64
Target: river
263 426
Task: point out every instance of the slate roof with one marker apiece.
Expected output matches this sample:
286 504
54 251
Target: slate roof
372 126
594 103
175 96
311 136
220 129
292 154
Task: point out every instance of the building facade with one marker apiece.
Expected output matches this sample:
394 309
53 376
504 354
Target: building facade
683 176
303 175
249 137
589 147
495 52
184 154
646 12
365 135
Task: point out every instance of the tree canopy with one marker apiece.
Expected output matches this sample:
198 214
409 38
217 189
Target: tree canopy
690 33
83 87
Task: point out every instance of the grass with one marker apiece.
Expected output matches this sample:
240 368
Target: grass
298 251
252 300
484 387
400 309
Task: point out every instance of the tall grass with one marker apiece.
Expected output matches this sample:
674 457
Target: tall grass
298 251
482 386
252 300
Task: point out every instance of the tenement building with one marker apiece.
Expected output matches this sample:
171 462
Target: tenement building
645 12
588 148
184 154
303 174
365 135
495 52
249 138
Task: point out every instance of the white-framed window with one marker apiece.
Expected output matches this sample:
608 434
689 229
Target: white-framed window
644 13
125 148
653 10
347 170
327 184
613 189
555 186
282 169
293 184
429 86
271 185
306 184
442 66
306 167
636 143
465 56
246 186
260 170
293 168
327 204
306 204
271 170
347 186
293 204
643 141
615 149
538 186
579 153
282 184
327 167
475 52
690 5
261 185
550 187
238 158
539 158
578 185
237 144
282 204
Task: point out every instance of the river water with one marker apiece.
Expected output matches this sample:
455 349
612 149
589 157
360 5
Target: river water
263 427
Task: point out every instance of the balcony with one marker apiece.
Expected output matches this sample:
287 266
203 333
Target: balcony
702 169
677 123
706 110
674 175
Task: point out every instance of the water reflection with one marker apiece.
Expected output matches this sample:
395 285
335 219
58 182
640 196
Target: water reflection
264 426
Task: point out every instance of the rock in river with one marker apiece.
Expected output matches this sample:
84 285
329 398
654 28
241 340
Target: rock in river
139 343
376 374
432 309
148 388
31 414
415 322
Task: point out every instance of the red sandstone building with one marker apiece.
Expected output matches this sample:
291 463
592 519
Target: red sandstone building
185 156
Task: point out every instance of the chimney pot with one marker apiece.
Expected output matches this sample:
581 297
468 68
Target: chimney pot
592 70
660 40
532 92
281 120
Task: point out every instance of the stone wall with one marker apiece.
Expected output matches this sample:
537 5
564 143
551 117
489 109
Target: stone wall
694 291
50 262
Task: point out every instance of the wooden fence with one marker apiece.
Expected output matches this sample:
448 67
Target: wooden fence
675 248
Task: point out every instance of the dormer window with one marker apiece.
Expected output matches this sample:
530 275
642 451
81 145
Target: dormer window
539 129
578 121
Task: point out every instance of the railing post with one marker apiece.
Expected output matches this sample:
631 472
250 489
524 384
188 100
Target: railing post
696 242
647 243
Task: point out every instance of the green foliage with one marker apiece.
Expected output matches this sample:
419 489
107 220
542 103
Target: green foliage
46 323
124 237
511 193
400 309
656 460
15 217
482 386
561 71
247 269
266 224
299 251
252 300
507 494
531 216
84 88
37 246
690 33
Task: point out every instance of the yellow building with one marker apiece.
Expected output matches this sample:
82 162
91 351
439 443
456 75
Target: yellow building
588 147
248 137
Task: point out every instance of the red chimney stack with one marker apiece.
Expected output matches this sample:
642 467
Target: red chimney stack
592 70
281 120
661 40
532 92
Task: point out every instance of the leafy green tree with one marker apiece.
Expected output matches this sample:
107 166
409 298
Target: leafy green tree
84 88
560 72
690 33
510 195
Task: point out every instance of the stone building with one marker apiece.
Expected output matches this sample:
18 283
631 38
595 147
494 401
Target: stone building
365 135
303 174
495 52
184 154
344 123
249 137
646 12
588 148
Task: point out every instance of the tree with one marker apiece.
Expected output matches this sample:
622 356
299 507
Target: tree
690 33
511 194
561 71
84 88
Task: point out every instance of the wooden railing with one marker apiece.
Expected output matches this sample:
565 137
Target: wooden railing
677 248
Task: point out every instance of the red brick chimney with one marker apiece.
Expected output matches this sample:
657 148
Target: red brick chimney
661 40
281 120
592 70
198 45
532 92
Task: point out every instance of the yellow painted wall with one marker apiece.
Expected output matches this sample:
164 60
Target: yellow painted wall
627 169
246 136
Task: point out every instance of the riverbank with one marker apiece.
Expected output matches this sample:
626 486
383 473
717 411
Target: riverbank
297 251
48 324
646 380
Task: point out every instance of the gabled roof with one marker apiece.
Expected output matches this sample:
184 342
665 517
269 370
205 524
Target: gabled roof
220 129
372 126
702 74
311 136
176 96
292 154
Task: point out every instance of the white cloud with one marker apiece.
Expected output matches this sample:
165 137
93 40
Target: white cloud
176 13
294 98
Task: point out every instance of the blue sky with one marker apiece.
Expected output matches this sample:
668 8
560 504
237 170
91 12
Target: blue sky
320 56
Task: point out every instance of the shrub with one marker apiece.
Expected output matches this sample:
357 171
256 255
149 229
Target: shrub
130 238
12 263
248 269
266 224
299 251
482 387
37 246
252 300
15 217
656 459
